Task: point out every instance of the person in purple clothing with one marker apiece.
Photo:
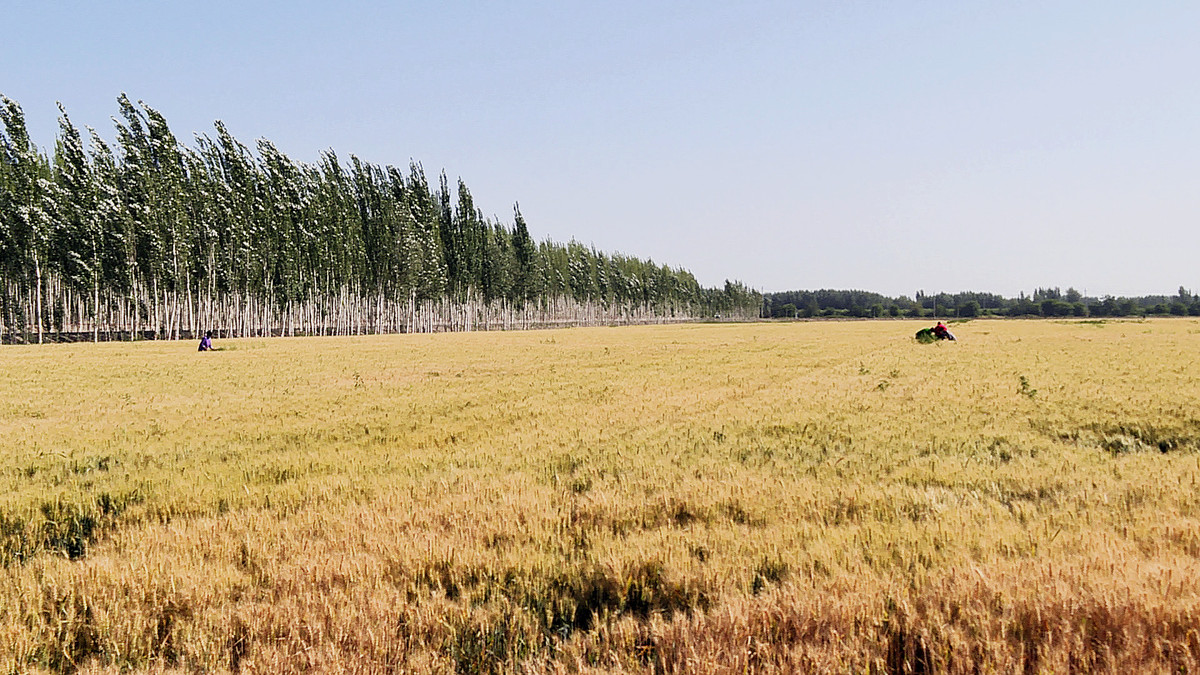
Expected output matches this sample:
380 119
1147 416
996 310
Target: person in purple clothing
206 342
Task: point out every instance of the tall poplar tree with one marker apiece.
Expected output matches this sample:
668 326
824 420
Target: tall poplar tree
30 206
523 288
77 239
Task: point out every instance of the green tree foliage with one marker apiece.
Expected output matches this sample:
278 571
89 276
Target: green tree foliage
969 308
30 211
1048 302
148 236
524 282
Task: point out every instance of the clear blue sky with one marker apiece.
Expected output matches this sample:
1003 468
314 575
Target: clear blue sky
888 146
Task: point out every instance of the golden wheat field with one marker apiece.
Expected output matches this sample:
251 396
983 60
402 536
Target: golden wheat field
776 497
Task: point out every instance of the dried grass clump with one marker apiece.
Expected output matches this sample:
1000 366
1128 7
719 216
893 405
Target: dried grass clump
1022 618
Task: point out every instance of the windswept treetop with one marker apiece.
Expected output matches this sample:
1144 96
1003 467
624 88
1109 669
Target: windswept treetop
151 236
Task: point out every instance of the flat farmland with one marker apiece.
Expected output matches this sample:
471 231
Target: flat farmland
775 497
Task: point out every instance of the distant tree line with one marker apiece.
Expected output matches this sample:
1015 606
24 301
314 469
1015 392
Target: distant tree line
151 238
1050 302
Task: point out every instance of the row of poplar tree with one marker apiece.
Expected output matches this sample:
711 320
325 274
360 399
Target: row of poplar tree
151 238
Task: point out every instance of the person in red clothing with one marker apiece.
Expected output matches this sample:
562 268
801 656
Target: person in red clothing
941 332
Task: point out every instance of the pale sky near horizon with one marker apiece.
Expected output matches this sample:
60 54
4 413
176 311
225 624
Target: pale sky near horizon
993 146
